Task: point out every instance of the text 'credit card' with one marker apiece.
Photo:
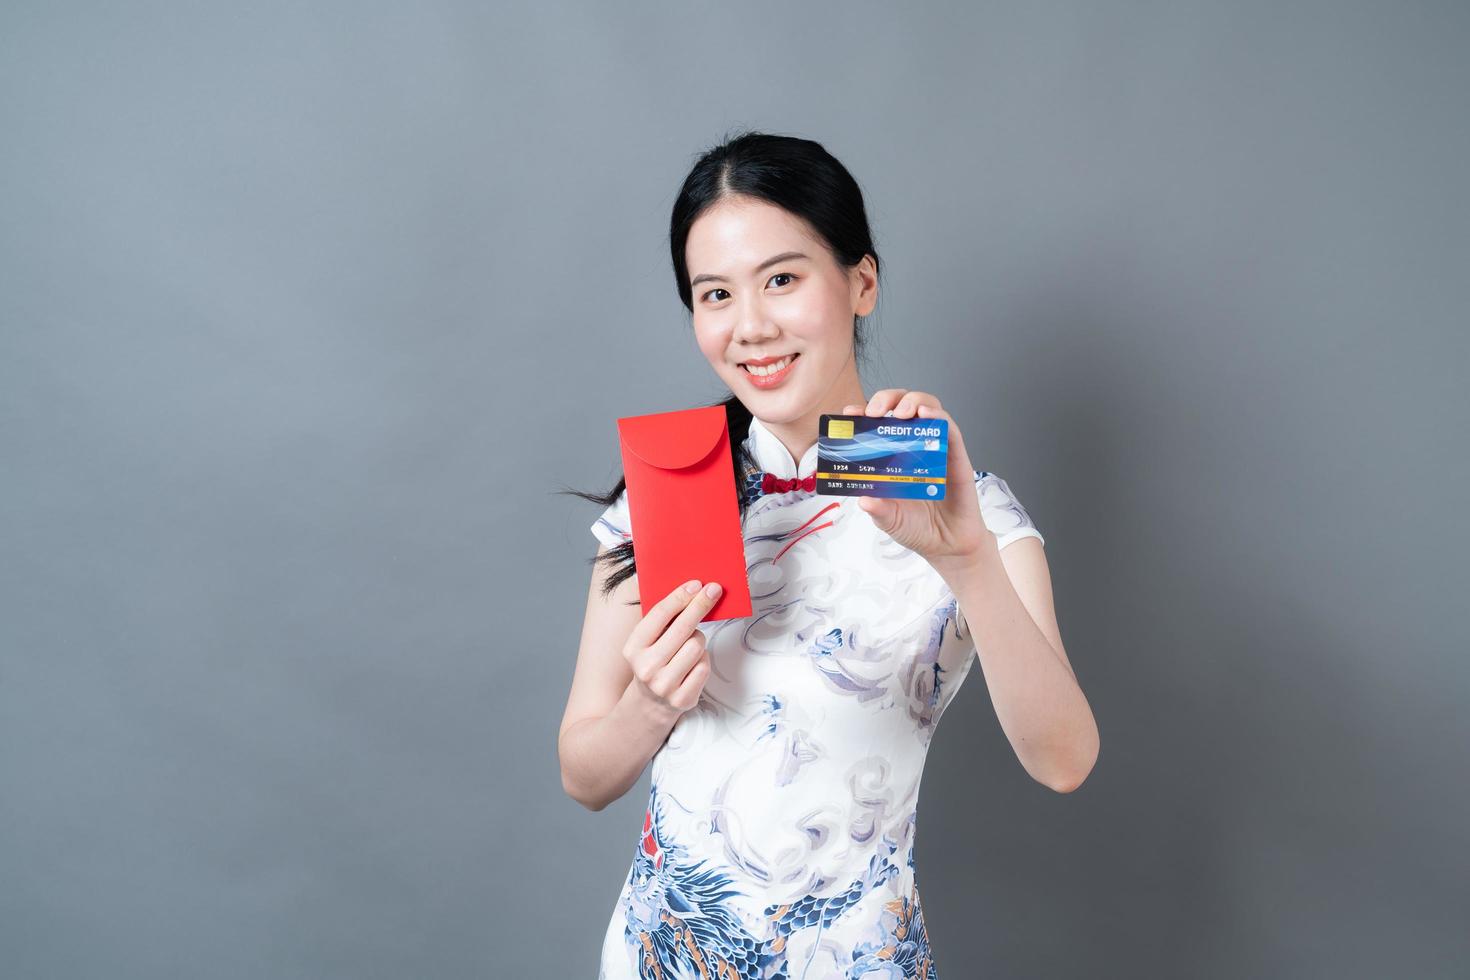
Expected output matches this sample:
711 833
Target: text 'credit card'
863 456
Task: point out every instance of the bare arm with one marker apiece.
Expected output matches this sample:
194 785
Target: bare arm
634 677
1005 598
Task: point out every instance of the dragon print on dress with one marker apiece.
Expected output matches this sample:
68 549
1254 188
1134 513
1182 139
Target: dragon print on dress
778 838
680 922
678 917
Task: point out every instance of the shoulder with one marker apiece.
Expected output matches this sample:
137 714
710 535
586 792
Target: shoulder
612 526
1002 510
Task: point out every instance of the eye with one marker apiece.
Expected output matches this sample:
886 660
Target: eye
780 274
707 295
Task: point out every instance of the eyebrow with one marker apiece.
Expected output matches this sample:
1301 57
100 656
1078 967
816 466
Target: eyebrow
783 257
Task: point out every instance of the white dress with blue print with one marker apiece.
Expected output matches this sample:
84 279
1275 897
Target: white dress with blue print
778 841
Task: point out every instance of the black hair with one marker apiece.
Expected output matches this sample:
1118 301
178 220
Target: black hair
795 174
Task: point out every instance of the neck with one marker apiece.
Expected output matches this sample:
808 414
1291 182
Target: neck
800 434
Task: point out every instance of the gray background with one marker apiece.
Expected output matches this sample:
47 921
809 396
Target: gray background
308 308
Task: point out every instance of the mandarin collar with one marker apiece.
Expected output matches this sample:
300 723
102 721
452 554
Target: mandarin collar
772 456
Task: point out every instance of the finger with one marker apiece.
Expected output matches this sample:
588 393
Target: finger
648 629
908 405
687 694
852 409
957 453
678 667
685 623
928 411
884 400
880 509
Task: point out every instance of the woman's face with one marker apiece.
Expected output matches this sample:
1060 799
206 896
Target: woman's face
749 307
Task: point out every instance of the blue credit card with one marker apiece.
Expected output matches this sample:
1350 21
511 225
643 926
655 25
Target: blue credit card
863 456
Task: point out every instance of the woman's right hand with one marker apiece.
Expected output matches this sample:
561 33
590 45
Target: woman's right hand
667 651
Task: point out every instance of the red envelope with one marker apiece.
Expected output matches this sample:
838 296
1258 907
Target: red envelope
683 508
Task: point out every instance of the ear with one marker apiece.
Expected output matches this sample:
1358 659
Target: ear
864 286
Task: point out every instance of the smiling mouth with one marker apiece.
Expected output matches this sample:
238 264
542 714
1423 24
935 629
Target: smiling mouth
767 370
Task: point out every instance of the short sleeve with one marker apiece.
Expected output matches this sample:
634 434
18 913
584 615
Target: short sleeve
1002 512
612 527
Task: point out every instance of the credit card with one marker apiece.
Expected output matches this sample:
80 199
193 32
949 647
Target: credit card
863 456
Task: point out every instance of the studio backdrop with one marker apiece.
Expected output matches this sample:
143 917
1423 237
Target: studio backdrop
308 310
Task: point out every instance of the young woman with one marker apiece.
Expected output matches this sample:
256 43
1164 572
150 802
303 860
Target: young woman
787 747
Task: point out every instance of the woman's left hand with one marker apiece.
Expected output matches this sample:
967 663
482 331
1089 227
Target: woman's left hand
948 533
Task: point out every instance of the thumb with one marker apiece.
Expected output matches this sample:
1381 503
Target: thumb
879 509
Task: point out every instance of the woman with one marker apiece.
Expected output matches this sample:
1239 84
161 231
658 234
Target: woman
788 746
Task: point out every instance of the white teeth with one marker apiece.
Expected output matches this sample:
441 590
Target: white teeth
773 368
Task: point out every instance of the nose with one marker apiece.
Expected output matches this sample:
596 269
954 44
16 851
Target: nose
753 324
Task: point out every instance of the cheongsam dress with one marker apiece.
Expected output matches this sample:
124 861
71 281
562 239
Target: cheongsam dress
778 838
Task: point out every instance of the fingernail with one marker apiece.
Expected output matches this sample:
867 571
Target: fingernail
712 590
692 586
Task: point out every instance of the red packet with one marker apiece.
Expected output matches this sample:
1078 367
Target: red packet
682 506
